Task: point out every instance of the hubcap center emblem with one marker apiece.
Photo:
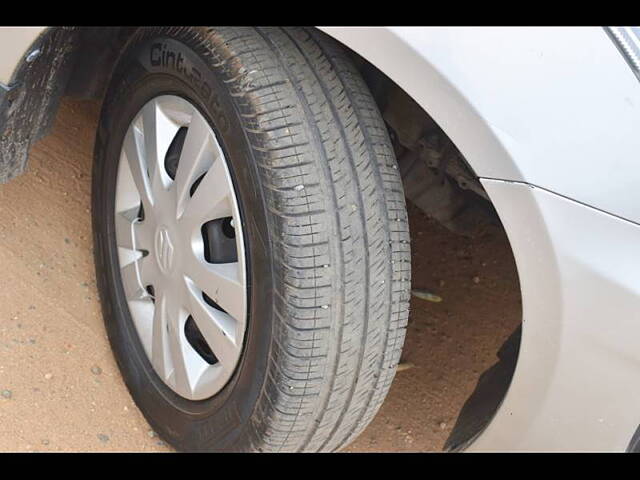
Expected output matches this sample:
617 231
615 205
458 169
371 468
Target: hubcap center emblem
165 251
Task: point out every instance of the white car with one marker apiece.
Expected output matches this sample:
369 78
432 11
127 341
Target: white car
251 236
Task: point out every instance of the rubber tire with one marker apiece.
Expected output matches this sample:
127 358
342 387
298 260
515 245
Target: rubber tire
326 234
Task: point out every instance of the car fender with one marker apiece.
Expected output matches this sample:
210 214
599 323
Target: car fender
558 108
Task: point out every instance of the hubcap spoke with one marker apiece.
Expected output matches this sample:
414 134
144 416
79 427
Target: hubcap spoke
198 154
188 366
160 353
131 281
131 233
217 328
178 351
221 283
212 199
124 231
159 131
133 152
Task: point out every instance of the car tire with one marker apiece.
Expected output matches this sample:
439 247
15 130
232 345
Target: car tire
325 235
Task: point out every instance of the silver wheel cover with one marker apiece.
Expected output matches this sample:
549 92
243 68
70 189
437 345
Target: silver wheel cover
165 249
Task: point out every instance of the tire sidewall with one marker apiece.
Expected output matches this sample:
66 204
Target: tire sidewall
145 71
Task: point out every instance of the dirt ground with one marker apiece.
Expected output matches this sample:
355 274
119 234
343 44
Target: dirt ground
60 389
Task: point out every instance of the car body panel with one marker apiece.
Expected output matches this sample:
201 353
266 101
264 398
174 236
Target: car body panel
14 43
577 381
554 107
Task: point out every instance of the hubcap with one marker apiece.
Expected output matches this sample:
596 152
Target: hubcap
180 247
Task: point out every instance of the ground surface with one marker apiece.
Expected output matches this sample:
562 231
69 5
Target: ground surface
60 389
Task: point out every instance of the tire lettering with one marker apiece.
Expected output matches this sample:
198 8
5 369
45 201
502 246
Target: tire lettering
161 55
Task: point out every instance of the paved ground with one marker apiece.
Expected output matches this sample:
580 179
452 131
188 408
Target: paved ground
60 389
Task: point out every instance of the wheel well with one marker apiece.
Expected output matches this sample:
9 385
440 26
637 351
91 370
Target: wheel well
436 176
98 50
438 180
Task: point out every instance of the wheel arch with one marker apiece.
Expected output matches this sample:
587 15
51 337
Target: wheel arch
404 61
42 66
90 53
